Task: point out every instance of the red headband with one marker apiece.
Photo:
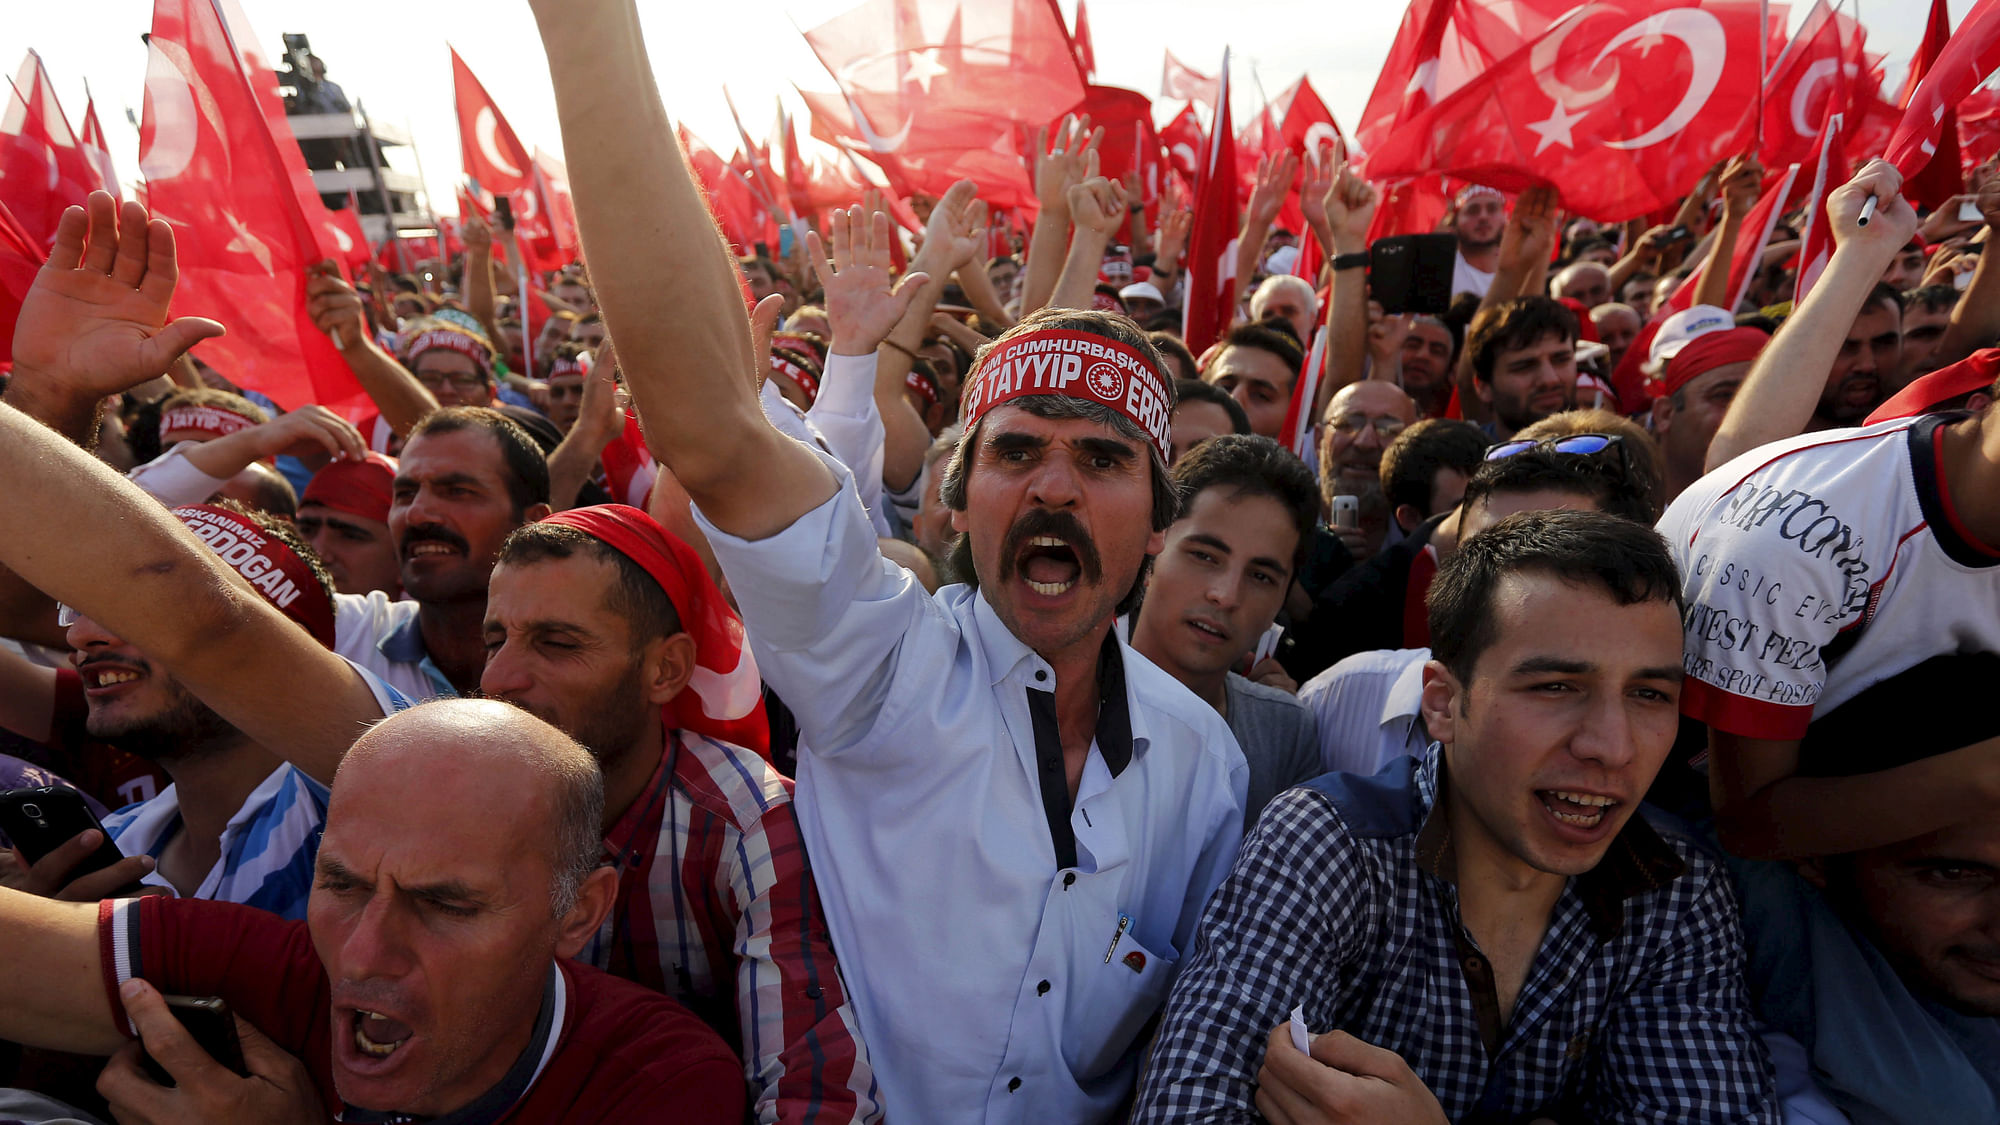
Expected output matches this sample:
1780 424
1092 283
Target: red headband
274 571
800 377
1707 352
359 488
724 699
216 421
455 341
1077 365
578 365
801 343
922 386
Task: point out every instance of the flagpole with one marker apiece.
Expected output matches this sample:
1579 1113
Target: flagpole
1763 63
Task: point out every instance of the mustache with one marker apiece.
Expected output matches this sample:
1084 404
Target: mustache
433 533
1063 526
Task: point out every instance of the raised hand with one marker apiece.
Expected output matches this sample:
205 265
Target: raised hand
1350 205
1274 181
279 1090
477 235
1058 168
95 321
1175 226
1742 180
335 306
1097 204
1531 230
1894 221
1322 168
861 306
955 233
600 409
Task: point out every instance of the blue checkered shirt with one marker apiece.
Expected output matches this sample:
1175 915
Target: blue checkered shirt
1634 1009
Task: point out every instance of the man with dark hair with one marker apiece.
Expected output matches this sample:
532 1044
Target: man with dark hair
765 278
1691 396
605 625
1490 930
432 978
1478 218
1202 411
1523 359
1002 721
1429 356
1425 470
1247 512
1926 315
1180 361
468 477
1869 359
1256 366
1906 269
344 514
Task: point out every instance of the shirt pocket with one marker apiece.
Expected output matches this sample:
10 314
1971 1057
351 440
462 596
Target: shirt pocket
1111 1001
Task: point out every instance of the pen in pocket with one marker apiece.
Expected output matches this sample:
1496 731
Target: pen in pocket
1124 923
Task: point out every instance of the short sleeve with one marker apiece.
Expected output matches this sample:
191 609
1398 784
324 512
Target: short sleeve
262 965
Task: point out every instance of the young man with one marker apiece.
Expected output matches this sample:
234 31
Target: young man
1693 393
432 977
1523 356
606 626
1866 368
1429 356
1247 514
344 514
1256 367
1053 790
1926 317
1490 930
1479 216
1202 411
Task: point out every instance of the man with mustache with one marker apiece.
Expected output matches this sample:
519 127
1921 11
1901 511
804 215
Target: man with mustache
1014 819
431 980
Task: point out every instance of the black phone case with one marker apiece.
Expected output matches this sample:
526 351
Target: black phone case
58 814
208 1023
1411 273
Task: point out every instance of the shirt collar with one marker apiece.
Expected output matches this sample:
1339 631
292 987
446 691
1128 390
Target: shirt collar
497 1102
405 643
1406 692
1638 861
1121 727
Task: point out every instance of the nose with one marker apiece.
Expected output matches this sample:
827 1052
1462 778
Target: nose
375 947
1864 362
85 634
1367 438
506 673
1225 590
1604 733
422 509
1055 484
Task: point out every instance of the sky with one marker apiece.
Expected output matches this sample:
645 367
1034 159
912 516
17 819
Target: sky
390 55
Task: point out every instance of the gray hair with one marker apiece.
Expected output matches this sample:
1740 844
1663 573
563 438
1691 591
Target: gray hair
1278 281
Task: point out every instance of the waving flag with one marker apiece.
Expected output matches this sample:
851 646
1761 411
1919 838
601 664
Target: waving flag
222 167
1079 40
1750 242
1440 46
42 168
1965 62
1183 140
1820 72
493 155
1942 177
20 260
1816 241
1620 106
1178 80
1211 253
98 149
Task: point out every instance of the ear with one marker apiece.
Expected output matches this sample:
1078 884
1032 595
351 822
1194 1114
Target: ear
669 664
1439 702
1980 400
536 513
1156 543
1483 389
1662 415
1407 517
958 523
593 902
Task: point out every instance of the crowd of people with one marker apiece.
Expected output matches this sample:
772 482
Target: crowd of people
703 710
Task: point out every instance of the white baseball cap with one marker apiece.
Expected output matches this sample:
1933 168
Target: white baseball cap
1142 290
1678 330
1282 259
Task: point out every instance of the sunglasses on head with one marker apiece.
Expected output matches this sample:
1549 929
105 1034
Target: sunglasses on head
1580 445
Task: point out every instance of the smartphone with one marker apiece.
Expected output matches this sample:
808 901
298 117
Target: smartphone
1679 234
1968 211
209 1023
1412 272
43 819
1347 511
503 209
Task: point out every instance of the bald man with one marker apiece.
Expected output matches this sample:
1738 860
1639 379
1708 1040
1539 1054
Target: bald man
432 976
1361 420
1587 282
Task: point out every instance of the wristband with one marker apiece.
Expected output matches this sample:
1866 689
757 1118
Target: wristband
1355 261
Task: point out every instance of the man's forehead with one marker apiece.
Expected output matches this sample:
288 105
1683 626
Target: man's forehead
471 452
1540 613
1549 343
1010 421
1372 397
444 361
1245 362
1249 522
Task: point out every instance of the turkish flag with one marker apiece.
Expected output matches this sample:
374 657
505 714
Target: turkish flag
1978 127
1964 63
729 200
1178 80
1183 140
1750 242
558 203
1815 75
1211 253
1620 106
1942 177
1439 47
42 169
20 259
1412 206
1079 41
1816 241
494 157
223 168
1130 141
948 90
793 169
98 149
343 231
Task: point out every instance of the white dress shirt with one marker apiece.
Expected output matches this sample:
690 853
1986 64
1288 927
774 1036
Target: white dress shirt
844 421
1369 708
993 982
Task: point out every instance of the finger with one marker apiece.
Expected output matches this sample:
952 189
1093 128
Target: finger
166 1040
71 230
347 441
105 883
129 266
1342 1051
816 254
1280 1104
1042 140
163 270
262 1057
102 248
906 291
126 1086
1090 164
170 342
878 239
1096 136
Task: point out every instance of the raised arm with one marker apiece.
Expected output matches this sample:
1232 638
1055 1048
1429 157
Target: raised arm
1267 198
665 279
335 307
311 433
598 423
1740 183
1097 209
1055 171
953 236
53 976
479 298
1341 207
1778 396
1524 256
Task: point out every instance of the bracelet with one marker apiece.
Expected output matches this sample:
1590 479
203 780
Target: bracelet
1136 208
887 343
1354 261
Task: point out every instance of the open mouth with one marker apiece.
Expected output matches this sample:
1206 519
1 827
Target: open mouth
1578 810
377 1036
100 678
1208 629
1049 565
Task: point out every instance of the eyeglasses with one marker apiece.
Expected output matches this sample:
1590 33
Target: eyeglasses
459 381
1385 427
1579 445
65 616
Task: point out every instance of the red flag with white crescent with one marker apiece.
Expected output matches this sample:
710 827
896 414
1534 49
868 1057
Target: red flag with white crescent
1816 242
493 155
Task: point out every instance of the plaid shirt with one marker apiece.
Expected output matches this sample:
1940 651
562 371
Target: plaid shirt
1634 1009
713 883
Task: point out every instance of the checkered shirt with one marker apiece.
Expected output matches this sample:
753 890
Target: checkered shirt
1634 1009
713 884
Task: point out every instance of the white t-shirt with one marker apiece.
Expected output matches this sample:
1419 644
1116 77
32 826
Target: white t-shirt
1468 278
1821 565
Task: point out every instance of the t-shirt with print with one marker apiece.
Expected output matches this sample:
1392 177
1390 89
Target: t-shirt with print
1820 565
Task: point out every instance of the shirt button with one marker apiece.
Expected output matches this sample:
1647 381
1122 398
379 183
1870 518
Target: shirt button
1042 989
1013 1084
1474 964
1039 677
1069 877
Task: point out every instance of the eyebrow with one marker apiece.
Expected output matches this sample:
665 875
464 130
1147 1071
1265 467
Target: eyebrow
1106 447
1541 665
439 479
1008 442
334 522
447 890
1208 540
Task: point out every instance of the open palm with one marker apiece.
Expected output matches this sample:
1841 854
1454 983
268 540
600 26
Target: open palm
861 306
95 320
